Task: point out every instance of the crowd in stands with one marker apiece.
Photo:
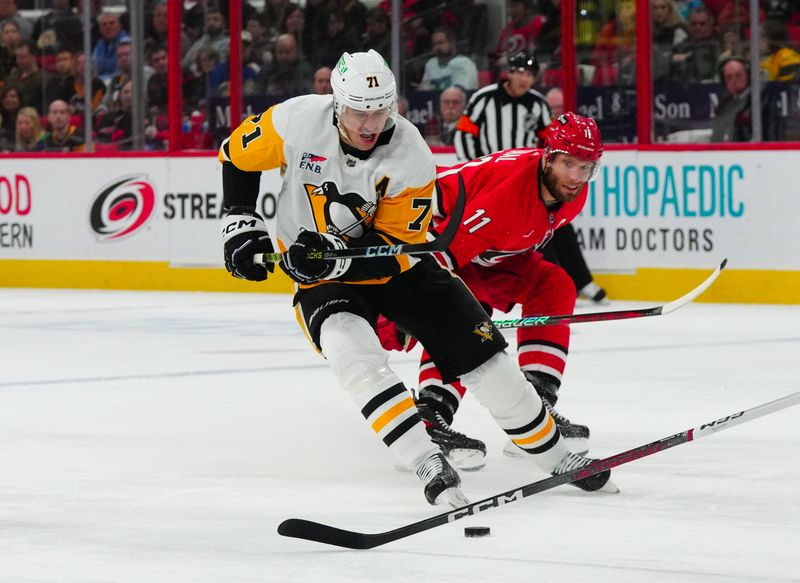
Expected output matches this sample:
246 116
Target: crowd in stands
289 49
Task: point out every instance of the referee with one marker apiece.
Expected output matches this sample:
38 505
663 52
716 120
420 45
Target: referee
509 114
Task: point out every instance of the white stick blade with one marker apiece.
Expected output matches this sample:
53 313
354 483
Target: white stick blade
683 300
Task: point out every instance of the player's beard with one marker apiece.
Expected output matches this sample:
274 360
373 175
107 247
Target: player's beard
554 187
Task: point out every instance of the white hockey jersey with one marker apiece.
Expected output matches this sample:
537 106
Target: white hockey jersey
326 190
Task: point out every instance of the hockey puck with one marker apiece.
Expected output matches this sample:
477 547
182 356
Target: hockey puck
475 531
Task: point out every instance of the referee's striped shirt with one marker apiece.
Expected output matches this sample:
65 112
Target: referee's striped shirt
496 121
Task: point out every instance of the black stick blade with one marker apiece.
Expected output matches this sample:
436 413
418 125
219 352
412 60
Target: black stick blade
322 533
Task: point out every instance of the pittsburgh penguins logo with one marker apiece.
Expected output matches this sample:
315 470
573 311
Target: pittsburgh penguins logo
484 330
339 213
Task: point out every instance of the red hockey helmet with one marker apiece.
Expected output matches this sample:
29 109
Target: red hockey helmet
575 135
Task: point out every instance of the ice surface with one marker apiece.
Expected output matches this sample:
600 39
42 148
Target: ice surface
149 437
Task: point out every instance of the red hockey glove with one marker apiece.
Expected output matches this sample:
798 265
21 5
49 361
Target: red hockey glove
391 338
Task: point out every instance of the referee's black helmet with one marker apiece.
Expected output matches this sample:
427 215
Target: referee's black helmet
523 60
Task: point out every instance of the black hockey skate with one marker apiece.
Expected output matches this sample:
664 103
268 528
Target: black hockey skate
464 452
441 481
594 293
577 435
597 483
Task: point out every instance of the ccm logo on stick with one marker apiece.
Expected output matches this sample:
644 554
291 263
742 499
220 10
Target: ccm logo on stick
384 250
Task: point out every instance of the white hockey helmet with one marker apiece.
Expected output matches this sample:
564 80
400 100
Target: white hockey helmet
364 82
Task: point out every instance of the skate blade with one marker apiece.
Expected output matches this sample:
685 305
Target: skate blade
468 460
454 497
609 488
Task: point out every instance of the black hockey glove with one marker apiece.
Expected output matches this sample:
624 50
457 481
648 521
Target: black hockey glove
304 270
243 235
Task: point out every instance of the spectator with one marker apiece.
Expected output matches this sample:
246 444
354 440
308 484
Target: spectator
316 25
123 75
10 39
8 12
104 55
321 84
193 17
614 55
214 38
695 59
378 31
355 14
62 20
732 44
446 68
288 75
220 76
9 108
274 12
158 84
61 83
28 78
669 29
48 47
733 121
78 91
63 136
156 30
783 10
782 62
198 87
294 20
520 34
338 39
262 45
29 130
116 125
420 18
555 100
548 42
195 134
452 102
735 13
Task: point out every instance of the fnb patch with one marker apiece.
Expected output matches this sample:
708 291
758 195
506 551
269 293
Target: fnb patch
312 162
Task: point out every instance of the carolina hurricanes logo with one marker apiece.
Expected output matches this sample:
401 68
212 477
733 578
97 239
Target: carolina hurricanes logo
122 207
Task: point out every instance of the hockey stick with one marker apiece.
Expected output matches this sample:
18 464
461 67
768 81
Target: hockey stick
322 533
439 244
532 321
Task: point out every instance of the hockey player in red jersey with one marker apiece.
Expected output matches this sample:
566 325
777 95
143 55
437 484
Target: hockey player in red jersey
516 200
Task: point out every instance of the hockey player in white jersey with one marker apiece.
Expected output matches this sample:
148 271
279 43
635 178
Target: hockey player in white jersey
356 174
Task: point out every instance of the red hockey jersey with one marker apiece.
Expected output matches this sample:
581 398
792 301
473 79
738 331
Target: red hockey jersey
504 213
